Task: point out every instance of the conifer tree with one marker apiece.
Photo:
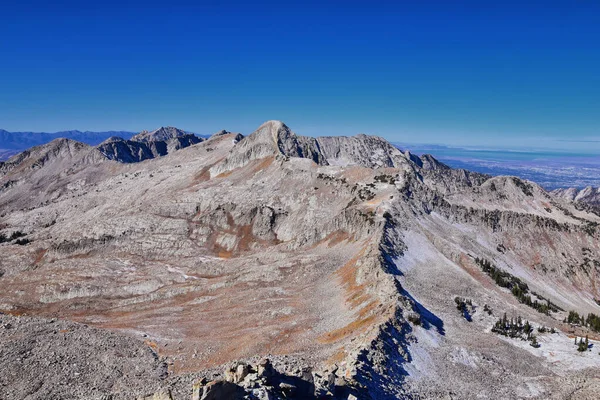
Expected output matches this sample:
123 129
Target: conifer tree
534 342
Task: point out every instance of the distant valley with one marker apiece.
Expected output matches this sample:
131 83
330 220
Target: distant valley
550 169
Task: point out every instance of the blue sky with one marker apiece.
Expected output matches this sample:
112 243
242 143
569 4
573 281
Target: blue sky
473 72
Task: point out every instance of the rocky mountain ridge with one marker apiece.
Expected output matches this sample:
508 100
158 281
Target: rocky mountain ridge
140 147
161 134
354 267
589 195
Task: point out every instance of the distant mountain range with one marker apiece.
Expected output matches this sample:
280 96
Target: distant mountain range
24 140
12 143
142 146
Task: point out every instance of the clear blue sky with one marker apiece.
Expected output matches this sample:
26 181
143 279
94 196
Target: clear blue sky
420 71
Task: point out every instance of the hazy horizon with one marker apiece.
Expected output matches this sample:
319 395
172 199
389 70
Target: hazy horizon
580 146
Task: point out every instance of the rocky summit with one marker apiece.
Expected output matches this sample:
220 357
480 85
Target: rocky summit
277 266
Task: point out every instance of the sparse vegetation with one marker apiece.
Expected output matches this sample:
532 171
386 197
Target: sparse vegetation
518 288
574 318
369 216
588 264
582 345
384 178
543 329
554 307
49 224
590 227
502 278
364 193
13 236
515 328
465 306
331 179
592 321
525 187
487 309
8 184
534 342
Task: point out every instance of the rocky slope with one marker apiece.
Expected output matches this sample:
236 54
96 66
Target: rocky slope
354 267
53 359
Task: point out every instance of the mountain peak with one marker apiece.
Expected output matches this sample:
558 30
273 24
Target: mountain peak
223 132
162 133
146 145
273 123
274 138
220 133
38 156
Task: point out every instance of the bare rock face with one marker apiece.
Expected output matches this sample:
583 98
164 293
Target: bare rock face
147 145
127 151
344 264
263 381
363 150
217 390
161 134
